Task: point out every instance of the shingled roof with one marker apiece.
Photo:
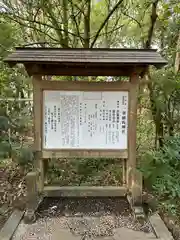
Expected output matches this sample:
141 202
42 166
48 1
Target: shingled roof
88 58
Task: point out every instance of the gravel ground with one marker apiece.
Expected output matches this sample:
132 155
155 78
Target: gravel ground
82 218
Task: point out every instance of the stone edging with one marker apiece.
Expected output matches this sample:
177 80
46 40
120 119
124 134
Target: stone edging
11 224
152 203
159 227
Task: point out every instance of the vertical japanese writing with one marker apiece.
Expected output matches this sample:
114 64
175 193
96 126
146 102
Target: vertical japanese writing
74 121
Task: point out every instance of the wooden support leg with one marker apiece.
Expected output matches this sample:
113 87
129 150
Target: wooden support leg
137 188
42 169
128 175
133 98
134 177
41 175
39 168
32 197
46 165
124 171
135 199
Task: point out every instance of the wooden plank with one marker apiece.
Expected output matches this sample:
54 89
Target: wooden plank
80 153
10 226
84 85
37 101
84 191
133 98
83 70
159 227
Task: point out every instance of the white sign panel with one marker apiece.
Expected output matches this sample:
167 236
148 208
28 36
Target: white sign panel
85 120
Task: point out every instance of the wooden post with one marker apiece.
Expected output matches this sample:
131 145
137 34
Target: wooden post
46 165
124 171
32 197
37 107
39 169
37 101
131 163
35 179
137 188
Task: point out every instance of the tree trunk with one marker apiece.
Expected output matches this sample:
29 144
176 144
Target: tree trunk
177 60
106 40
152 24
65 22
157 116
87 19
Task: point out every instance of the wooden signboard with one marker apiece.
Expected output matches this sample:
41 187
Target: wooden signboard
82 119
85 120
78 119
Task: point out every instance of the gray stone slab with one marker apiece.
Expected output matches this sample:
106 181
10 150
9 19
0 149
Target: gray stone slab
160 227
11 225
125 233
43 230
79 228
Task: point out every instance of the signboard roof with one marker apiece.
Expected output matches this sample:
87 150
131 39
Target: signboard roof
84 62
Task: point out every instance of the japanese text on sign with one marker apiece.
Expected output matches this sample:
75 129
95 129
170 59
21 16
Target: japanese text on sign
85 120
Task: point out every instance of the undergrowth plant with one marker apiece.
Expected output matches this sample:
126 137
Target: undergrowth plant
85 172
11 147
161 172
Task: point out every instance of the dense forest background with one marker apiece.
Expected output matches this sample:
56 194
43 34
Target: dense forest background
98 24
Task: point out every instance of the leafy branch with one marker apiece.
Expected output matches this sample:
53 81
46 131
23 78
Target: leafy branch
105 21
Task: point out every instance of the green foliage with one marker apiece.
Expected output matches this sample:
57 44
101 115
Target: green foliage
5 149
161 171
5 145
164 99
85 172
23 156
4 124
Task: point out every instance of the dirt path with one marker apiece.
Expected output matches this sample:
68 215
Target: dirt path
84 219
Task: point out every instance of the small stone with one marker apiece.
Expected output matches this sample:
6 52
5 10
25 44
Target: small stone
138 210
78 214
54 208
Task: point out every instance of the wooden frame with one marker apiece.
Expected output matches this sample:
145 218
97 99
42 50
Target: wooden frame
81 153
76 70
40 86
85 191
128 156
